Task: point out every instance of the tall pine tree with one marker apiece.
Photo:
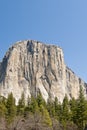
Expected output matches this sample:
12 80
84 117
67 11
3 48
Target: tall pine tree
81 111
21 105
11 108
65 112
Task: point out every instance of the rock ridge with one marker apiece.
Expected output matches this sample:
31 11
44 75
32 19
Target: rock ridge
31 66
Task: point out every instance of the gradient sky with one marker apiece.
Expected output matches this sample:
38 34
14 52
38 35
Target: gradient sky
60 22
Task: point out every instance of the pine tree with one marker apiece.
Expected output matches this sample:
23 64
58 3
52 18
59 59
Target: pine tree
50 107
57 107
81 111
11 108
27 107
33 106
65 117
73 110
40 100
3 109
21 105
45 116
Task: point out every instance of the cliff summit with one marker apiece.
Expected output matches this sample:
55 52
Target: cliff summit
31 66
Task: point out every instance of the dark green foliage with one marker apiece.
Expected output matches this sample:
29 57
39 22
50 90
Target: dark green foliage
21 105
81 110
57 108
11 108
67 115
33 106
3 108
73 108
51 108
65 109
40 100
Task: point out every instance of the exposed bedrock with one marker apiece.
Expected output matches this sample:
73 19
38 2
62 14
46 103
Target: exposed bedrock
31 66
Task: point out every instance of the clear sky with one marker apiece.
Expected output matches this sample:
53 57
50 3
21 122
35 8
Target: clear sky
60 22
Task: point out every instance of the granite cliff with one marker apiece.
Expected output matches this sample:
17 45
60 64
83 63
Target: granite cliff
31 66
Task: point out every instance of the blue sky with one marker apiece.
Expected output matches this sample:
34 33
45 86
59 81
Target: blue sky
60 22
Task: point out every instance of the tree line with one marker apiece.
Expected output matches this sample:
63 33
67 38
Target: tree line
37 114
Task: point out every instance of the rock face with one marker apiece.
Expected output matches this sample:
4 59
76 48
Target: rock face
31 66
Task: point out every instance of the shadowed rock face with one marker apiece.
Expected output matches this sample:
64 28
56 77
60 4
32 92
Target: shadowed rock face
31 66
